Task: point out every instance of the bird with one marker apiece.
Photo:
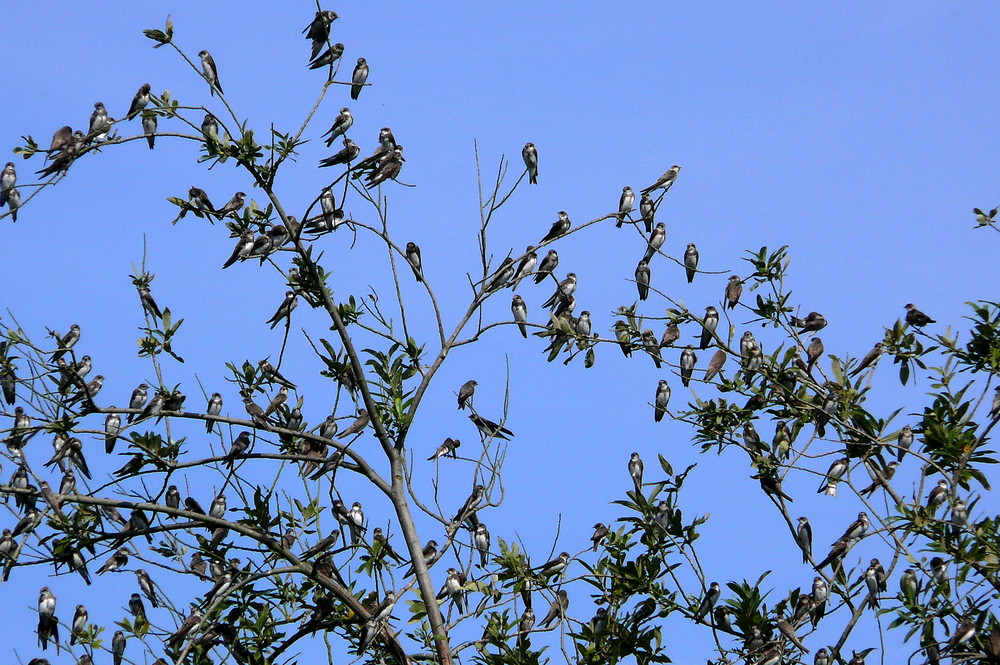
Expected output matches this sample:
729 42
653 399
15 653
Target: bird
471 505
915 317
114 562
214 408
345 155
277 401
488 428
356 521
665 181
284 310
429 555
643 611
413 258
642 279
148 304
548 264
903 441
688 360
149 122
657 237
218 507
210 71
210 130
553 569
446 449
78 625
139 102
788 631
559 228
870 359
803 536
937 495
388 168
66 342
454 588
519 310
359 77
691 261
557 610
8 178
813 352
813 322
232 206
466 392
525 625
340 125
238 448
625 205
146 586
530 155
962 635
661 399
635 467
564 290
481 539
328 57
708 325
48 625
359 424
318 31
117 647
833 475
708 602
647 210
734 289
525 266
242 250
715 364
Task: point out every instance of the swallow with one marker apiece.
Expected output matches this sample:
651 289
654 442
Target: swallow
359 424
601 532
665 181
708 325
882 477
643 611
559 228
329 56
788 632
192 621
526 265
48 625
242 250
340 125
959 514
691 261
642 279
210 128
232 207
429 554
937 496
715 364
214 408
814 322
962 635
548 264
13 202
804 538
501 278
284 310
661 400
466 392
358 78
32 518
454 588
857 528
328 429
553 569
481 540
708 602
239 448
722 620
210 71
688 360
656 239
813 352
530 156
218 507
870 360
172 499
915 317
471 505
117 647
149 122
734 289
98 120
557 610
939 574
413 258
356 521
114 562
520 312
838 550
833 476
625 205
218 591
79 624
488 428
647 210
318 31
8 178
904 441
64 159
635 467
564 289
524 626
388 168
139 102
446 449
62 138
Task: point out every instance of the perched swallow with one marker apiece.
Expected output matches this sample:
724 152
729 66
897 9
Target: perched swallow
471 505
139 102
172 499
149 122
857 528
647 210
601 532
454 588
466 392
318 31
98 120
359 77
388 168
670 335
210 128
233 206
524 626
239 448
557 610
526 265
278 400
813 352
904 441
359 424
804 538
916 318
715 364
501 278
530 156
559 228
643 611
656 239
242 250
870 359
642 279
635 467
665 181
661 400
148 304
328 429
356 521
548 264
114 562
882 477
553 569
340 125
64 159
413 258
284 310
329 56
520 312
218 507
962 635
78 625
708 602
788 632
937 496
8 178
430 555
481 540
625 205
48 625
833 476
563 291
117 647
13 202
691 261
214 408
488 428
709 324
210 71
814 322
447 448
688 360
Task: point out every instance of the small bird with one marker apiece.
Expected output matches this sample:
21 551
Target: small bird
340 126
98 121
214 408
210 130
661 400
148 304
635 467
446 449
284 310
559 228
501 278
814 322
13 202
813 352
904 441
708 324
656 239
117 647
670 335
242 250
488 428
114 562
482 542
526 265
643 611
665 181
519 310
139 102
413 258
833 475
218 507
48 625
318 31
429 554
530 156
642 279
722 620
329 56
356 521
454 588
962 635
688 360
788 631
232 206
524 626
470 506
734 289
804 537
112 428
715 364
548 264
647 210
708 602
239 447
691 261
870 359
146 586
136 607
210 71
8 178
553 569
359 78
149 122
78 625
557 610
601 532
277 401
359 424
172 499
937 496
466 392
625 205
915 317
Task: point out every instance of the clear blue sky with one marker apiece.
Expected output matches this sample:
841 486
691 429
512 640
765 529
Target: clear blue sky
859 134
